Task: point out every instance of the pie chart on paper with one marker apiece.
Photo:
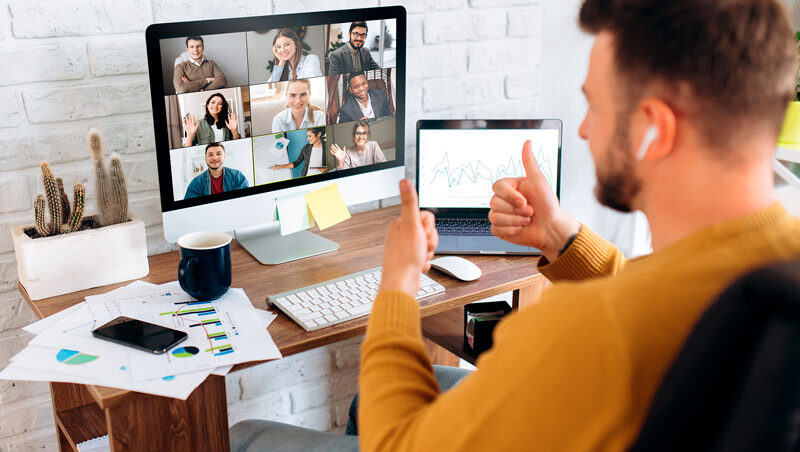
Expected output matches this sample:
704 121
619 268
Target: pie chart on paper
185 352
74 358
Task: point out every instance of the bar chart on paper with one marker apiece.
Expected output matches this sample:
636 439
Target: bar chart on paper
458 167
220 332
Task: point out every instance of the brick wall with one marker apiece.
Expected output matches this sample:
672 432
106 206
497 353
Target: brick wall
72 65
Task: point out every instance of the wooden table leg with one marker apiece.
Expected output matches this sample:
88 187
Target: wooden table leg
439 355
149 423
65 397
529 294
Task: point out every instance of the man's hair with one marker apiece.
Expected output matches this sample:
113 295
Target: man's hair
360 23
194 38
353 75
214 145
728 65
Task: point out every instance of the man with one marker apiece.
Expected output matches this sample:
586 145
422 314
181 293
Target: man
352 57
709 80
365 103
217 179
197 73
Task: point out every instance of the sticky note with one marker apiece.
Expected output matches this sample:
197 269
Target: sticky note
293 213
327 206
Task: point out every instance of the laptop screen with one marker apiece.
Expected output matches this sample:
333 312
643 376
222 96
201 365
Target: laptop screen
458 163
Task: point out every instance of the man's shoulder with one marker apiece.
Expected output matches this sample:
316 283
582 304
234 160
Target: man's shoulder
378 93
197 179
340 51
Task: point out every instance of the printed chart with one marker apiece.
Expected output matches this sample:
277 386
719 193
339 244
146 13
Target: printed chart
458 167
214 329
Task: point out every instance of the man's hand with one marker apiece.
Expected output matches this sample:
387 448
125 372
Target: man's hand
184 79
410 243
525 211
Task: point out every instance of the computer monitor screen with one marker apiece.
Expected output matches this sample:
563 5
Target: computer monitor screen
247 110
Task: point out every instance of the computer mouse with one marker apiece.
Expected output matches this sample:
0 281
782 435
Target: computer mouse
457 267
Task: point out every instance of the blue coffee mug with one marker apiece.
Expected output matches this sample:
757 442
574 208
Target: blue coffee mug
205 268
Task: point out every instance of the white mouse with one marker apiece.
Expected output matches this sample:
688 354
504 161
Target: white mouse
457 267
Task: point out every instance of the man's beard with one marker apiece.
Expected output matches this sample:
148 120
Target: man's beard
617 183
355 46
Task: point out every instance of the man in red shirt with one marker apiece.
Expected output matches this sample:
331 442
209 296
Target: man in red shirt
217 178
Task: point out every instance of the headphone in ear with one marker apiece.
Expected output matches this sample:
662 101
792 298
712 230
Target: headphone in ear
649 136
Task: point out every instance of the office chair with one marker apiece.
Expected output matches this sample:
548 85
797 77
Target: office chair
735 386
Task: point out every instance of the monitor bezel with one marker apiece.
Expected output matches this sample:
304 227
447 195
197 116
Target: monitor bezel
156 32
484 124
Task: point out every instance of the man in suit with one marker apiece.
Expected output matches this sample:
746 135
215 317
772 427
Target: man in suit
352 57
365 103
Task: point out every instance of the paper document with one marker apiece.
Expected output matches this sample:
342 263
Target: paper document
221 332
293 214
327 206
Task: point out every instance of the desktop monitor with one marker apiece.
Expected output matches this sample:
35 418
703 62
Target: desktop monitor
250 110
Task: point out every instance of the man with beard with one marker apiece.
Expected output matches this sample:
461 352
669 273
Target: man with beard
364 103
685 102
352 57
217 179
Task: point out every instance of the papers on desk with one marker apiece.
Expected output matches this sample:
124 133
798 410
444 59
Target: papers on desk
221 333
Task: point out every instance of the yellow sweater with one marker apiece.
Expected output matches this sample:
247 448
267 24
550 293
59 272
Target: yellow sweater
576 371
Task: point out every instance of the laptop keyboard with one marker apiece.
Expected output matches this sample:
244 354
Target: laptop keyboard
464 226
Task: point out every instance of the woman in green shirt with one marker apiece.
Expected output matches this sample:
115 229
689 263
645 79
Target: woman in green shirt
218 125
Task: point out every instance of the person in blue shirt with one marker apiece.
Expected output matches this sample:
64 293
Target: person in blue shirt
217 179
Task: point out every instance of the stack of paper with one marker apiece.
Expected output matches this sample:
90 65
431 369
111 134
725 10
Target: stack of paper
221 333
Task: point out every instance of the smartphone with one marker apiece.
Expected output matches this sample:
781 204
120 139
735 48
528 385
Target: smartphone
141 335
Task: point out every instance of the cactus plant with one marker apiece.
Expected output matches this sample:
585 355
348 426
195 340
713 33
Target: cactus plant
64 198
54 198
112 191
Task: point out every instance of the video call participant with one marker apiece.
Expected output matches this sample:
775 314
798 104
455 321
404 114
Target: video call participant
299 113
217 178
290 63
352 57
218 125
365 103
312 153
198 73
363 153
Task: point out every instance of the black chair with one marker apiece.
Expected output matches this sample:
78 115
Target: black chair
735 386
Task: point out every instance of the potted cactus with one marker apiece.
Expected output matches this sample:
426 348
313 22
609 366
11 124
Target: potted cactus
69 252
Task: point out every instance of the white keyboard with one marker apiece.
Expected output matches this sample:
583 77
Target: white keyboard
341 299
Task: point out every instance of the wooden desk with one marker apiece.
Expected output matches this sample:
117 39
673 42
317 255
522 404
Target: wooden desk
137 421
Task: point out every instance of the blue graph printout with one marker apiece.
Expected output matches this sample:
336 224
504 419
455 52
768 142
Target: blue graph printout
458 167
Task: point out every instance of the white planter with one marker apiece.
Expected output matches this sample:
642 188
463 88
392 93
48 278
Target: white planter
65 263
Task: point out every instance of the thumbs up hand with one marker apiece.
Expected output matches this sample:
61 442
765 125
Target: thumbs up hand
410 243
525 211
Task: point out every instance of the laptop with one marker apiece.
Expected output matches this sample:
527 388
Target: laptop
457 163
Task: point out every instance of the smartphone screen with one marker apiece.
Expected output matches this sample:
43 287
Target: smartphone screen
141 335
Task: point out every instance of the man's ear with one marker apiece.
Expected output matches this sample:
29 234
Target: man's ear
659 115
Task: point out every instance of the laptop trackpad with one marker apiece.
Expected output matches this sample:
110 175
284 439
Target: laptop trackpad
490 243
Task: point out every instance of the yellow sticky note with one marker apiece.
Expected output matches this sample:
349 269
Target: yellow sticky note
327 206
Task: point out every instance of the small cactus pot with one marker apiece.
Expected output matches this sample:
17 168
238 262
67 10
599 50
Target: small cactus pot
55 265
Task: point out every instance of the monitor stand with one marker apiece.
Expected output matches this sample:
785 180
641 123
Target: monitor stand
268 246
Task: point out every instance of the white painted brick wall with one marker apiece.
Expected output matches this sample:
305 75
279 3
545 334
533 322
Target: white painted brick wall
116 56
73 65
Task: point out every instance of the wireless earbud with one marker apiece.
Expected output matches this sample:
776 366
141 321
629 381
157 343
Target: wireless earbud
649 137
